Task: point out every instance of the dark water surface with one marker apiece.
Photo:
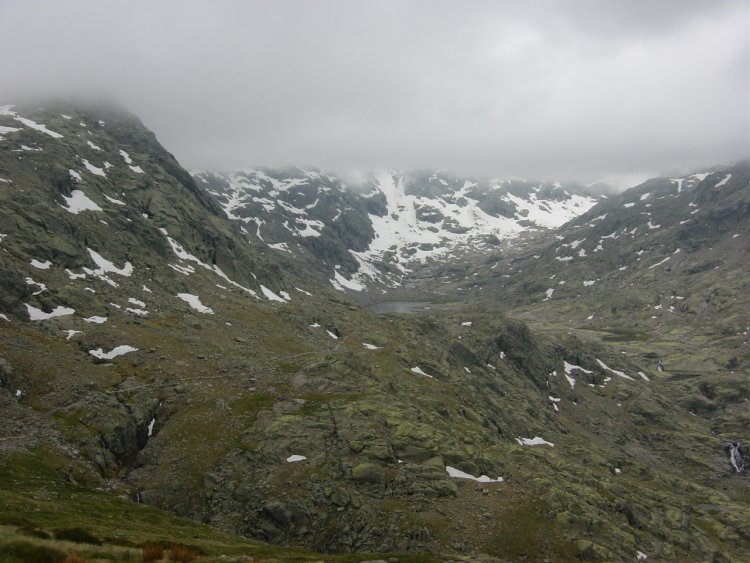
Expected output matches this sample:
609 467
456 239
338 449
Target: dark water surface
399 306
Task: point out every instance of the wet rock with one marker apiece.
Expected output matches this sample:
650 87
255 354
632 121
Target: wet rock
285 514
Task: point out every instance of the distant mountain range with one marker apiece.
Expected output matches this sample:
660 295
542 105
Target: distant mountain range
374 234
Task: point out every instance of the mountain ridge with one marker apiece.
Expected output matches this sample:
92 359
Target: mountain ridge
392 221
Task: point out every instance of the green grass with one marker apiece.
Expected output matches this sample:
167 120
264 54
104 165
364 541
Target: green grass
523 531
27 551
618 334
250 404
315 401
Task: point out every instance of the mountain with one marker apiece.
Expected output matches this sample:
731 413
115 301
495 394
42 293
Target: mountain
665 254
160 361
374 234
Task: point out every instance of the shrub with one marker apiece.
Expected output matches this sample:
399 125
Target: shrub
152 552
33 532
74 559
36 553
183 553
10 520
77 535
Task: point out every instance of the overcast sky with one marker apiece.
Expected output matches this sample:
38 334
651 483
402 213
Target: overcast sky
574 89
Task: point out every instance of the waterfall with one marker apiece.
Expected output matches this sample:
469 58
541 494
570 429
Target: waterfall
735 457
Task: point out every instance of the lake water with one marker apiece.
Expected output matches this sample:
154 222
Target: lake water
400 306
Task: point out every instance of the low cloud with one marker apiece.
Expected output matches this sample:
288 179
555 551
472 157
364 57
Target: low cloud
575 90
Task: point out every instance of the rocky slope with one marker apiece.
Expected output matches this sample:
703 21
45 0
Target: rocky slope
666 255
199 370
374 233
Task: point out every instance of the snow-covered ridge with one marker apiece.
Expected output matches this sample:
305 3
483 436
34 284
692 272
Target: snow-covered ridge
413 218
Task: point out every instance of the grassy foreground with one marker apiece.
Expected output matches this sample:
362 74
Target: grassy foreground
43 519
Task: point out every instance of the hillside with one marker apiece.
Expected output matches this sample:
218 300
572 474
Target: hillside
665 258
156 350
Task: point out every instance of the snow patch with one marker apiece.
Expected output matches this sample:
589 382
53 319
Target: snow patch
41 265
139 312
569 370
39 315
41 286
282 246
195 303
30 124
340 283
419 371
658 263
535 441
181 253
616 372
295 458
113 200
79 201
186 270
93 169
4 130
724 181
113 353
458 474
105 267
270 295
126 157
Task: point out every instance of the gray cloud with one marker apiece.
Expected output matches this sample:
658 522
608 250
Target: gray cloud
578 89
